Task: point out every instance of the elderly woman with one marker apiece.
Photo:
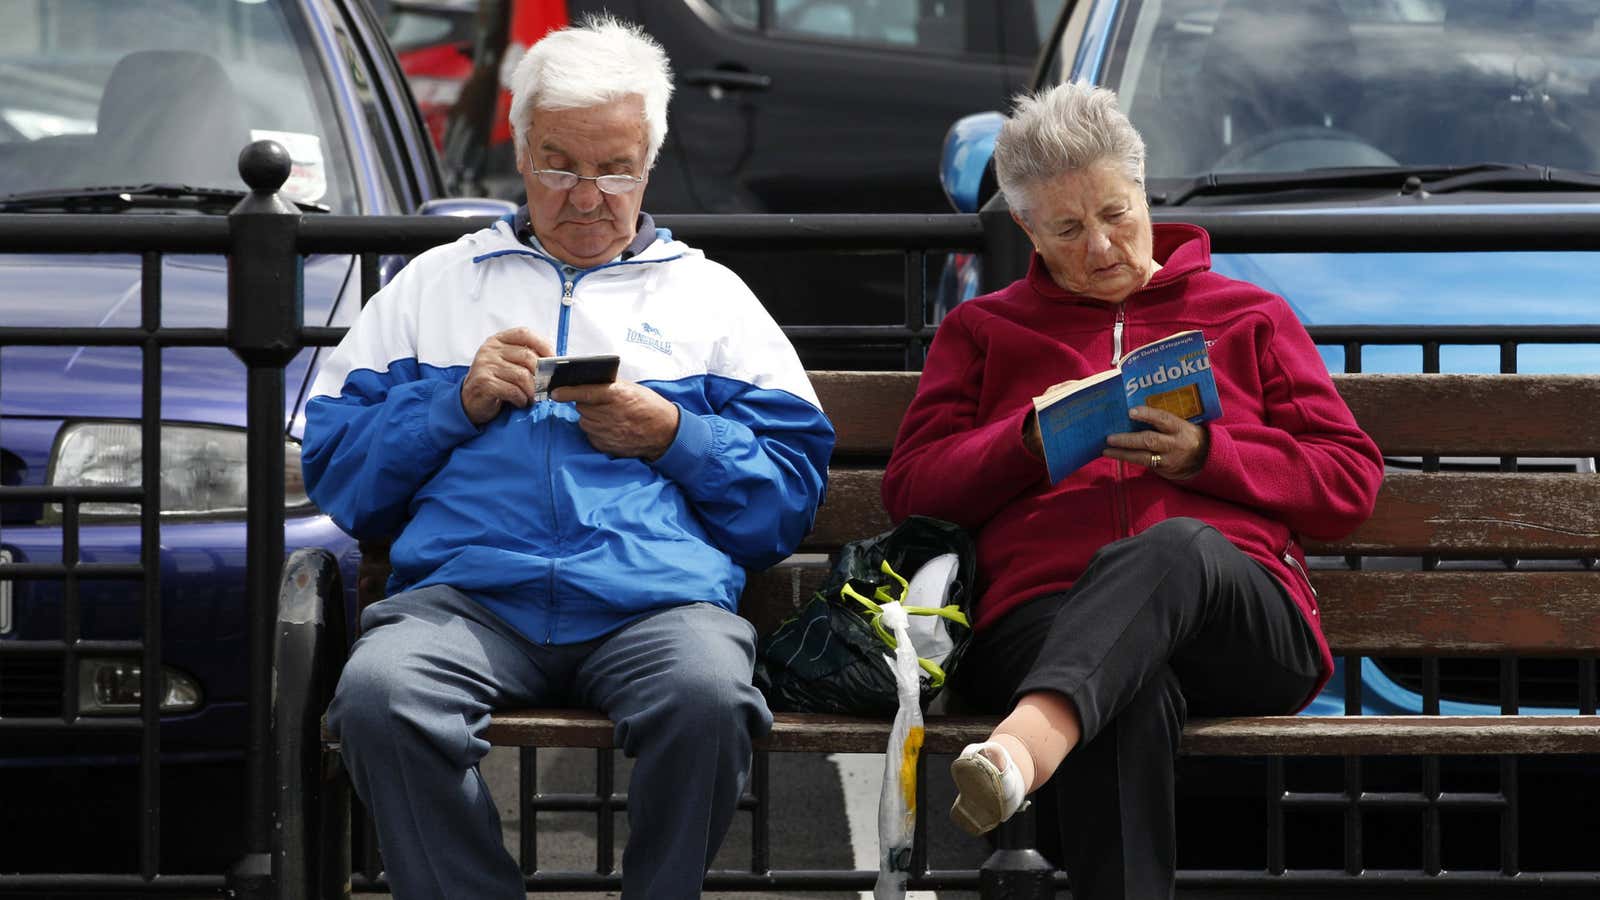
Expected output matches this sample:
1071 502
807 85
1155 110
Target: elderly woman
1165 577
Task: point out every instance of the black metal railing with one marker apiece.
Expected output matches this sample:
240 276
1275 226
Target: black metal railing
267 242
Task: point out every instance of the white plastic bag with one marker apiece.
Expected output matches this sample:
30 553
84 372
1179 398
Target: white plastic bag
930 588
897 804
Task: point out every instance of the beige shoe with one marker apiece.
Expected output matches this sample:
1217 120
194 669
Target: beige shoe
986 794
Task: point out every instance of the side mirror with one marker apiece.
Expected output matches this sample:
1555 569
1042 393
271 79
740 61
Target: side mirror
966 161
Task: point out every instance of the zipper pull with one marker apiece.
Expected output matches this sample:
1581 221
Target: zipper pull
1295 564
566 293
1116 338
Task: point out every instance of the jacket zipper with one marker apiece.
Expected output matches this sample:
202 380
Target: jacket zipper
1116 337
567 286
1288 557
1119 494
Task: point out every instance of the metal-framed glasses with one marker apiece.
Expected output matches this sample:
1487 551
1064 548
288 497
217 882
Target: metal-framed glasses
562 180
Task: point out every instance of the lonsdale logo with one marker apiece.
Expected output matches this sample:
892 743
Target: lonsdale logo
648 335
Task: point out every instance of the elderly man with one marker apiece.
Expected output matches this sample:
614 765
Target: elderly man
582 549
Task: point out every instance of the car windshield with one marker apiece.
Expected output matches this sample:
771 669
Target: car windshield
1258 86
100 94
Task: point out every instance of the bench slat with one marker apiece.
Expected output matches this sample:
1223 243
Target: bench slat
1372 613
1262 736
1476 514
1408 415
1546 515
1392 735
1460 613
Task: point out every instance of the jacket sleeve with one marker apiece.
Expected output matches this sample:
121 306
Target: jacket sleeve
755 467
1307 462
379 424
946 463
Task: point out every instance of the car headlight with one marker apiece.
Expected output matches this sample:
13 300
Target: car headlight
202 467
108 687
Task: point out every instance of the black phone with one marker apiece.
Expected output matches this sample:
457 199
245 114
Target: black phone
565 371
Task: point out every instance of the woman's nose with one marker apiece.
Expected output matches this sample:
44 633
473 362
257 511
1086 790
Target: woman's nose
1099 242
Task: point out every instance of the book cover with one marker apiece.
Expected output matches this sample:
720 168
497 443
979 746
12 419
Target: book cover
1075 417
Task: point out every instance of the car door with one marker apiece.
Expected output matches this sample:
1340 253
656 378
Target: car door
821 105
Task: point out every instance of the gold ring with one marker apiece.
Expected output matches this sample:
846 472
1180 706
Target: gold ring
1155 460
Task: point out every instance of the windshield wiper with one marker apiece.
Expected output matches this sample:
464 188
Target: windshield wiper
1528 177
1402 179
116 198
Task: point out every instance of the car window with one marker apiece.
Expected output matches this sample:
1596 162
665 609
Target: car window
932 25
1284 85
1044 18
161 91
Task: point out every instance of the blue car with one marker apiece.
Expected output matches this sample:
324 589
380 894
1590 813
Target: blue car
142 106
1320 109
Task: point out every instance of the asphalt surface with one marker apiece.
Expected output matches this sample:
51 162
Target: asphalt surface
824 817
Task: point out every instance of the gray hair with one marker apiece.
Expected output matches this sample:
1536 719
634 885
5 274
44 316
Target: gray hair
1064 129
596 62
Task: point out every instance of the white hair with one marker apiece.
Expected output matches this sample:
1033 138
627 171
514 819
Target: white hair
599 61
1064 129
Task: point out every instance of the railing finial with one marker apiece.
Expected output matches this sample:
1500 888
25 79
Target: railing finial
264 166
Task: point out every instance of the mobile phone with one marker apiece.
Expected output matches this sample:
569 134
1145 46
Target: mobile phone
553 372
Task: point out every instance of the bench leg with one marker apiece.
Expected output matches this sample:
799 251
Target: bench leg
1016 871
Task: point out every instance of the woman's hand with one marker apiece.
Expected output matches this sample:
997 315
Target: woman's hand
1030 435
1175 449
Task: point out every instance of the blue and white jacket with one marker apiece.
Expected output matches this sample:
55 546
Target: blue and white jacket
558 539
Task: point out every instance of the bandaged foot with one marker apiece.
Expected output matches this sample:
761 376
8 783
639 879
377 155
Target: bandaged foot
988 792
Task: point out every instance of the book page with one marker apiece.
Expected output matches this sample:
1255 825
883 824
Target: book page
1057 391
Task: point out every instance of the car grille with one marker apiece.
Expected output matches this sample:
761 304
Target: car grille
1540 682
30 686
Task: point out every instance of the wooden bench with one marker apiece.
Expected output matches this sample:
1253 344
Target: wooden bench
1455 514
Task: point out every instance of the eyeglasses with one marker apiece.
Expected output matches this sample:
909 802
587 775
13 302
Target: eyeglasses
562 180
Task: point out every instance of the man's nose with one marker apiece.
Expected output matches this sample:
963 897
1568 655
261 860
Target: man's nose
585 195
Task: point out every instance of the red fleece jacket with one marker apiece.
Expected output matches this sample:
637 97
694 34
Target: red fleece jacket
1286 457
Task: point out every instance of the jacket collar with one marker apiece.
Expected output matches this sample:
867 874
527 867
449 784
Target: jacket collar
1181 249
522 225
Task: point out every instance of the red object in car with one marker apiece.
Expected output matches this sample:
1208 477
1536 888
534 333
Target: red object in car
438 72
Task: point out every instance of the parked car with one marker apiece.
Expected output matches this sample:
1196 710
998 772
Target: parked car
142 106
1323 108
784 106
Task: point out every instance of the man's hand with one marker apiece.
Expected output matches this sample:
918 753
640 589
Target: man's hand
623 418
1175 450
502 372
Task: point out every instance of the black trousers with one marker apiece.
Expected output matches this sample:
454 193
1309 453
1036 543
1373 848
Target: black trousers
1172 620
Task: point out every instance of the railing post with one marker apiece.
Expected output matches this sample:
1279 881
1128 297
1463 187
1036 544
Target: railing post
1016 871
1006 250
264 318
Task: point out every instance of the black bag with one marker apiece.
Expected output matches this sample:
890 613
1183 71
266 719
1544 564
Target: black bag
831 656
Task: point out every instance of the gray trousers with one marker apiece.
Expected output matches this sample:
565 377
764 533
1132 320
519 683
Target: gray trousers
431 665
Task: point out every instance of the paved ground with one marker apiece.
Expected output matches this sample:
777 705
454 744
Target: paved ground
826 818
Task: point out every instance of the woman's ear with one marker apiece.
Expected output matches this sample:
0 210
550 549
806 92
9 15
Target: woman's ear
1023 224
